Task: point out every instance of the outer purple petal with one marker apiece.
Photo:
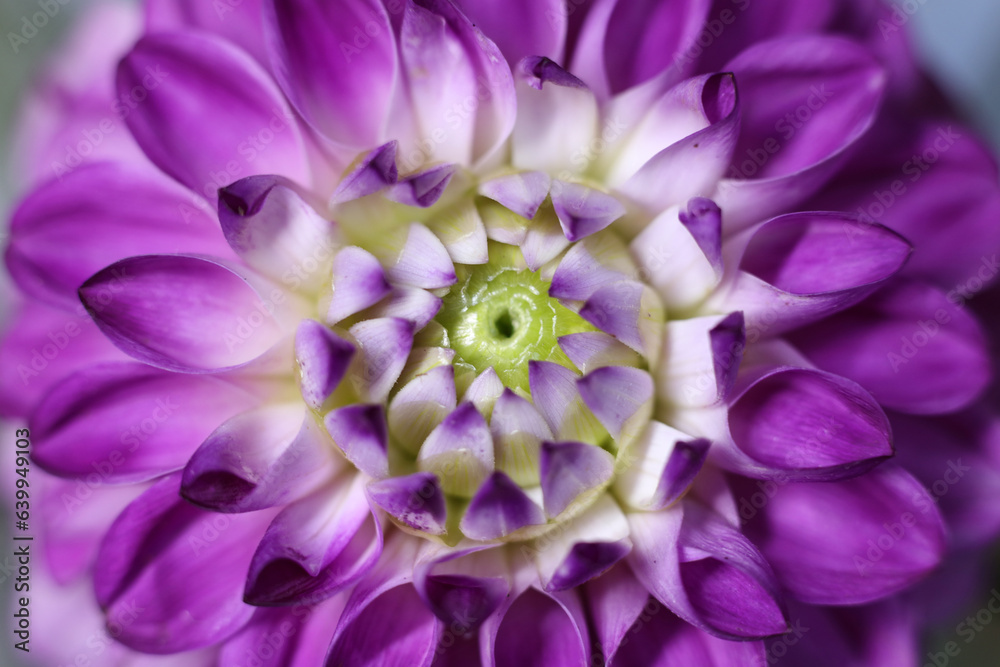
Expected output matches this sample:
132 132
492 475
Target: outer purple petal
302 635
128 422
70 228
522 27
181 313
852 541
615 600
159 550
239 22
202 124
541 629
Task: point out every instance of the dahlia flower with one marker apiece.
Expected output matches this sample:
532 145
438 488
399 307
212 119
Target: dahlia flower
459 332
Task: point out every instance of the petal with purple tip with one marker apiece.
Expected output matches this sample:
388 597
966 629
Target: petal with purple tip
421 405
663 463
572 471
376 171
360 432
195 118
423 261
543 240
323 358
620 397
462 232
459 450
358 282
615 600
701 357
270 226
556 396
631 312
521 192
315 547
181 313
258 459
582 210
414 500
408 303
517 431
464 586
589 265
498 509
385 345
422 188
484 391
542 629
593 349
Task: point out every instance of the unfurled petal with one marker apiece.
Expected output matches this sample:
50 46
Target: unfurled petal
159 550
228 107
522 28
542 629
258 459
464 586
128 422
852 541
183 313
615 600
316 547
305 634
374 172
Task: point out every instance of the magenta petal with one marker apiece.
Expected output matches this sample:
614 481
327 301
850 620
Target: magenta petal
615 394
522 193
324 54
181 313
305 634
128 422
583 210
808 425
615 600
522 27
570 469
908 345
240 23
852 541
323 358
692 561
619 309
585 561
259 459
498 509
703 218
160 549
415 500
273 229
196 122
361 433
461 588
581 273
70 228
376 171
364 637
804 266
316 547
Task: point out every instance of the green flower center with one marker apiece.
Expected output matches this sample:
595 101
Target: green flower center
500 314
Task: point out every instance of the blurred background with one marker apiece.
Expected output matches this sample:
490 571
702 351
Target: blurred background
956 40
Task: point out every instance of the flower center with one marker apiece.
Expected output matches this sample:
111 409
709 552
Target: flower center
500 314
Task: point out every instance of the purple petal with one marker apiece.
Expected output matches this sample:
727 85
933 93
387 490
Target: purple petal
569 470
629 311
484 391
324 54
615 600
240 23
364 637
459 450
385 345
316 547
703 218
589 265
463 587
808 425
701 358
692 561
588 547
68 229
323 358
498 509
358 283
423 188
853 541
409 303
127 422
361 433
181 313
555 395
159 550
908 345
305 634
521 28
582 210
617 395
663 464
414 500
376 171
593 349
540 629
421 405
258 459
543 240
423 261
522 192
517 431
201 124
270 226
804 266
840 86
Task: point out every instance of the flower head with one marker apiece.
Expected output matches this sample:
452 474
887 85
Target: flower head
428 332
